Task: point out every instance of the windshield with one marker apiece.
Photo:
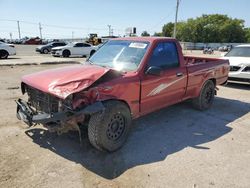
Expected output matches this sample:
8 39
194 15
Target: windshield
120 55
239 52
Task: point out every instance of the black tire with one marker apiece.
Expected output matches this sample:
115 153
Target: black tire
45 51
4 54
206 98
92 52
66 53
109 130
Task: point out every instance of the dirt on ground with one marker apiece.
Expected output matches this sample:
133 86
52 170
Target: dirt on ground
174 147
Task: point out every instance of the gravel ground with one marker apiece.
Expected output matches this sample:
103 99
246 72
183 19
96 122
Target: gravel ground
174 147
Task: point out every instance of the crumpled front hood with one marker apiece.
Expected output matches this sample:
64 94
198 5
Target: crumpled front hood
238 61
64 81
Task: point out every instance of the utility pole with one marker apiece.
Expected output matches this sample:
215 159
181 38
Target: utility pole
40 29
176 17
19 32
72 36
10 36
109 26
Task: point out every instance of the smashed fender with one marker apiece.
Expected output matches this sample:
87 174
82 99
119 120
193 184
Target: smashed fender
64 81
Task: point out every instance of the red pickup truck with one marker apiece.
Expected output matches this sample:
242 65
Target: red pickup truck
125 79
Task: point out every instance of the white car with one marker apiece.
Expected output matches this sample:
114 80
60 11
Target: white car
239 59
74 49
6 50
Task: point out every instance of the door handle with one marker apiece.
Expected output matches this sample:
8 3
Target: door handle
179 74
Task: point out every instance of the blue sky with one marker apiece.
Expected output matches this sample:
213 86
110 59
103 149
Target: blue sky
59 18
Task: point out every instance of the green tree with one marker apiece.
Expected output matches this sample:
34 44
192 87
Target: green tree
208 28
157 34
167 29
247 34
145 34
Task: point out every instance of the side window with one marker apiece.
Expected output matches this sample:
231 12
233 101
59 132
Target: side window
86 45
79 45
165 56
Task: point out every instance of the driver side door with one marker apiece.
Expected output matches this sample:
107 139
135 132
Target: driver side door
167 88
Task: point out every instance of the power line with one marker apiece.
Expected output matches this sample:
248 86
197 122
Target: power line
162 19
56 26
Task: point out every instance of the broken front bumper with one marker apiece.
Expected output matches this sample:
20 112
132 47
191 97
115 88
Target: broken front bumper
27 114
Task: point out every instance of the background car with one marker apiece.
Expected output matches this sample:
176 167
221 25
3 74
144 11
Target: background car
226 48
6 50
74 49
47 48
35 40
239 58
208 50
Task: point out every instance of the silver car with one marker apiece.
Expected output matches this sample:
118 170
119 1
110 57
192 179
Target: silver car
239 58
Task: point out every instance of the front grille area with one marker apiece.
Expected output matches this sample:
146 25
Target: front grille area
53 51
41 101
234 68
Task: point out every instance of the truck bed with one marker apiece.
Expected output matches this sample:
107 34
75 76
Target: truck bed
193 60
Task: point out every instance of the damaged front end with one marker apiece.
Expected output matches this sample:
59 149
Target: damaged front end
57 115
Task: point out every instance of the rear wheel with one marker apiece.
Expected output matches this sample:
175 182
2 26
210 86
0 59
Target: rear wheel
66 53
109 130
206 97
4 54
45 51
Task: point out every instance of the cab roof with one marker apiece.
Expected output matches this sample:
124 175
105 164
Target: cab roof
145 39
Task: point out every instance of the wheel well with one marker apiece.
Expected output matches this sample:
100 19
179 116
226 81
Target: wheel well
213 80
86 121
121 101
67 50
4 51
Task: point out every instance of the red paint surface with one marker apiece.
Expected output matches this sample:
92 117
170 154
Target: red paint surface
64 81
141 92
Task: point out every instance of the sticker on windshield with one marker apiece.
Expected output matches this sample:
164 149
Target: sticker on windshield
138 45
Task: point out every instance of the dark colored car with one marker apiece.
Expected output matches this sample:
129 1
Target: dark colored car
35 40
44 49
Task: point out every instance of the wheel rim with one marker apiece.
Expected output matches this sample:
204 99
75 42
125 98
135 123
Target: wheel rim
45 51
209 95
65 53
4 55
116 127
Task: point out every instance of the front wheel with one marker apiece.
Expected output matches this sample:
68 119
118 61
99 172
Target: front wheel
109 130
206 97
66 53
4 54
45 51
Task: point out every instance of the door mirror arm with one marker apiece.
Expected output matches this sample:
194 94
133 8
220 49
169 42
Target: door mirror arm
153 70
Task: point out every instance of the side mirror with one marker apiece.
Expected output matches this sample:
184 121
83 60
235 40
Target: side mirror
156 71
